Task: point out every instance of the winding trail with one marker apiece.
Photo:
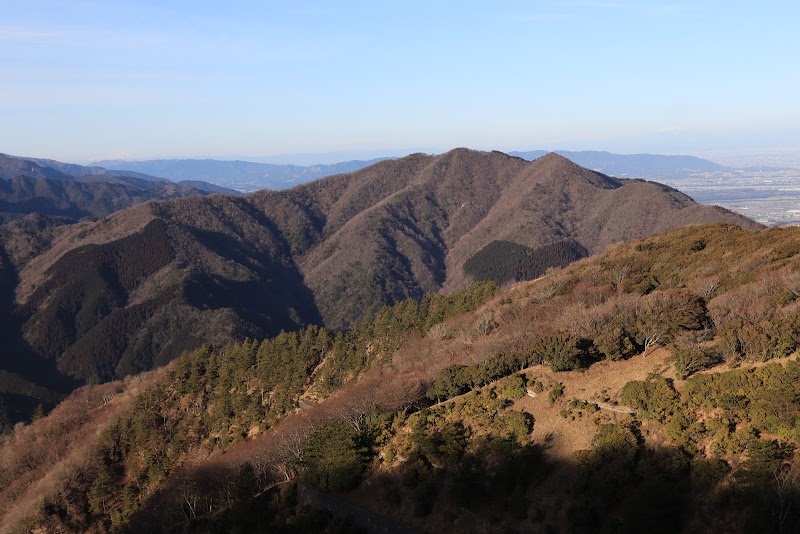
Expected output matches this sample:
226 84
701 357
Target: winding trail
614 408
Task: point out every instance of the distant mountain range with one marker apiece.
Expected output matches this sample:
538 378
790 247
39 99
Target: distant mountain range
52 188
647 166
248 176
99 300
243 176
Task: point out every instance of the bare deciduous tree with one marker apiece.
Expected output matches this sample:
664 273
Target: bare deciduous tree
617 277
785 479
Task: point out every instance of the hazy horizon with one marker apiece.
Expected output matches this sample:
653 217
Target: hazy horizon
784 157
85 81
778 156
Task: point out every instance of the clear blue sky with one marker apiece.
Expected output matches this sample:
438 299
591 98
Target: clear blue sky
83 80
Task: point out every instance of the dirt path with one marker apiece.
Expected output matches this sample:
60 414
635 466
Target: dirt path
615 408
597 384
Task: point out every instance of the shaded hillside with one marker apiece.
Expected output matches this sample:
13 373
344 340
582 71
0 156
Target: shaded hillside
121 307
12 166
652 388
75 170
55 189
135 289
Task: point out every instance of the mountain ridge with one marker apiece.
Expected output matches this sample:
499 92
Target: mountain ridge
249 176
329 252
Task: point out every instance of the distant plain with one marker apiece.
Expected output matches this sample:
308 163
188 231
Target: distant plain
768 196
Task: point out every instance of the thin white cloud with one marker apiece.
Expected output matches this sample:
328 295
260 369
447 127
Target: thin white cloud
80 37
27 35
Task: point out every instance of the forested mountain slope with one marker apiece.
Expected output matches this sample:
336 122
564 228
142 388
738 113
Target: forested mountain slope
653 388
117 296
406 227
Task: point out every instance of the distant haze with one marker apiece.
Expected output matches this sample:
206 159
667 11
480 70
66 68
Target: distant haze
117 79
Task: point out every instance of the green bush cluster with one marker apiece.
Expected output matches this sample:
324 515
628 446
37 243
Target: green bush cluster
458 379
334 457
562 352
615 343
472 453
556 393
765 398
655 398
691 359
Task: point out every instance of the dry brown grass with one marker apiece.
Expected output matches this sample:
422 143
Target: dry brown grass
562 439
38 460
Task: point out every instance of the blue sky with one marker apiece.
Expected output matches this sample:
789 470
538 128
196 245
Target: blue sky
84 80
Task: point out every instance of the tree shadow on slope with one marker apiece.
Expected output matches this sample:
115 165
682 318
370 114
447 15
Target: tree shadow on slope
28 380
499 485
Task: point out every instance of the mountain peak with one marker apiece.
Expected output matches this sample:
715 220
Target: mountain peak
555 167
555 161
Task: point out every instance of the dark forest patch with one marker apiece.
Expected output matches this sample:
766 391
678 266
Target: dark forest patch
504 261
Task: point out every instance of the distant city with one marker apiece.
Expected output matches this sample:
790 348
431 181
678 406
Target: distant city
769 196
766 157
